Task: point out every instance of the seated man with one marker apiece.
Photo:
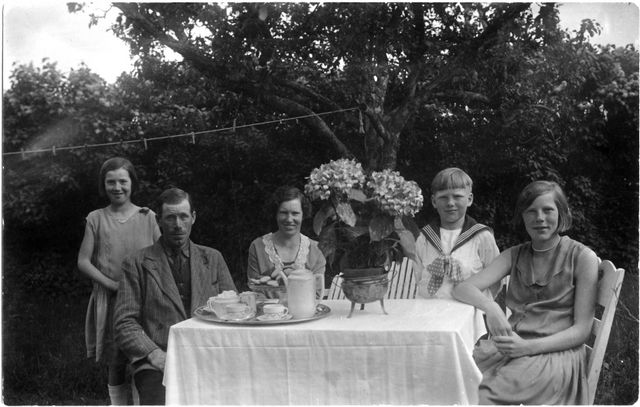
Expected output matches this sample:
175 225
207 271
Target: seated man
161 286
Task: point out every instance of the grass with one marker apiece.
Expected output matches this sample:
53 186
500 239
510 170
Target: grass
44 357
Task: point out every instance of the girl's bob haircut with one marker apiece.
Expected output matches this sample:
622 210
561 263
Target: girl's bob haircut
113 164
535 189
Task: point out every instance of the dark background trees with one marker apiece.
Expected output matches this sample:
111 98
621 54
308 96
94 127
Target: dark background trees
498 90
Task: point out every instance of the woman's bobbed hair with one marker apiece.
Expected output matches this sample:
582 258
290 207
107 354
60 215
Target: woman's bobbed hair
535 189
113 164
288 193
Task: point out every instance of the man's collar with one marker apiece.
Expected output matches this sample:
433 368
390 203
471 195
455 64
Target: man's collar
185 249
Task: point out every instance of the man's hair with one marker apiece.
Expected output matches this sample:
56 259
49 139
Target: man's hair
113 164
535 189
172 196
451 178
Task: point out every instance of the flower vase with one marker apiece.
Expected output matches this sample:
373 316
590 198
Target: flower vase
362 286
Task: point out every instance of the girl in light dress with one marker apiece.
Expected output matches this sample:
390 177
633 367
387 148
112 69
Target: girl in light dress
112 233
536 356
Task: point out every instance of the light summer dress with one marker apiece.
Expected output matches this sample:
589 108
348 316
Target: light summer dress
264 259
539 308
113 240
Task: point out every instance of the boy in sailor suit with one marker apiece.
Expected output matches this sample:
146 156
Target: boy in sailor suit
454 246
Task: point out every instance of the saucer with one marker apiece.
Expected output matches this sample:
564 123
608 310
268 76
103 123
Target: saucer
240 318
274 317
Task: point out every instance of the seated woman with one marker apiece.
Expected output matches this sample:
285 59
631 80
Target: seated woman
536 356
285 249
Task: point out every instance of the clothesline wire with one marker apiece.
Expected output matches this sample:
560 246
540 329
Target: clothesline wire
192 134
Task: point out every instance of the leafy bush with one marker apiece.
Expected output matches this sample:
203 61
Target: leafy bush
536 103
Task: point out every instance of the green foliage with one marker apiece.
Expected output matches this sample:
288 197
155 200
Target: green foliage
493 89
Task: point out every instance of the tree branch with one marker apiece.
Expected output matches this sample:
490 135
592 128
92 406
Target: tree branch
307 92
315 123
376 122
237 82
512 11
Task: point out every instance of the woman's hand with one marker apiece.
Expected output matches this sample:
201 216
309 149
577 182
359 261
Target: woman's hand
497 321
513 345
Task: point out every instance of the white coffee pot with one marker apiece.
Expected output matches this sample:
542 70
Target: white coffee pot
304 290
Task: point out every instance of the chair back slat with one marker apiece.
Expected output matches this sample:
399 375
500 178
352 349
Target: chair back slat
402 282
609 286
392 275
335 291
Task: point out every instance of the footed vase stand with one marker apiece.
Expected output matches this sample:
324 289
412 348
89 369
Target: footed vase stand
363 290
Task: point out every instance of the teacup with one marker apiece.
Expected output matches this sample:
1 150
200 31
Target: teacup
218 304
237 311
275 310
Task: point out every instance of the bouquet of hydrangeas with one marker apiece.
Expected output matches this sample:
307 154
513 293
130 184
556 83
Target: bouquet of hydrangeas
365 220
335 178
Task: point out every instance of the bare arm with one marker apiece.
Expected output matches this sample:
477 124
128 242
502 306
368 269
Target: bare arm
488 251
156 233
586 276
470 291
86 267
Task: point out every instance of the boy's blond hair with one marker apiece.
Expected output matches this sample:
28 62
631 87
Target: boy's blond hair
451 178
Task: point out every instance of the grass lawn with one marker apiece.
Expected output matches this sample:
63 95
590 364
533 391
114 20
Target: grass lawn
44 356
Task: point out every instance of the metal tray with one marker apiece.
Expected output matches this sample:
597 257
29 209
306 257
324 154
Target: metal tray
204 314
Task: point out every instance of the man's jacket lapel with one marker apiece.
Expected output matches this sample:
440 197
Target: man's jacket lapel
158 268
200 280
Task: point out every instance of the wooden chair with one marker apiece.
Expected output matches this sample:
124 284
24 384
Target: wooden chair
335 291
609 286
402 282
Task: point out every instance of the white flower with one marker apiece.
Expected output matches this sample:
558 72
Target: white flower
338 176
396 196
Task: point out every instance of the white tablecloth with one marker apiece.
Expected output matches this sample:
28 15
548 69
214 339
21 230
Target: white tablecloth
418 354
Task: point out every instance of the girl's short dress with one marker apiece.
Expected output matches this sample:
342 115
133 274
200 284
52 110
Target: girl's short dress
539 308
113 240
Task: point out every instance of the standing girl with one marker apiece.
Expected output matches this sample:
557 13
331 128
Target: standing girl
112 233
